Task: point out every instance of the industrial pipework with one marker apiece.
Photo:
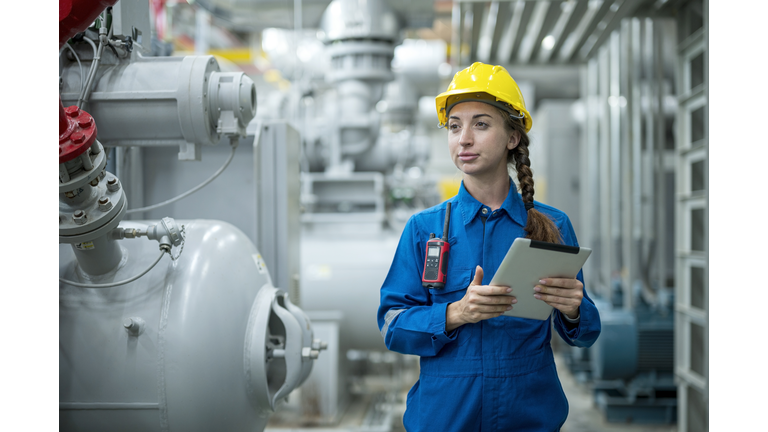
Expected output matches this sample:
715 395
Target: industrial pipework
147 347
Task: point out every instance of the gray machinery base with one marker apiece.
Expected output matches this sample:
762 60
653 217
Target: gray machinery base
644 400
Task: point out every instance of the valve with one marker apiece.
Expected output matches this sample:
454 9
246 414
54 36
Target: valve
167 232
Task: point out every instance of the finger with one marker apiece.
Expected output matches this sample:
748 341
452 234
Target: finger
561 304
490 309
491 290
562 282
559 292
554 300
478 280
492 300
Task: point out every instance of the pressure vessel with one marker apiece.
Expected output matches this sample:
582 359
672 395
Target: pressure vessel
200 343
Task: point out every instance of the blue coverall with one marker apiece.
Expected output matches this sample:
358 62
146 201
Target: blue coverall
495 375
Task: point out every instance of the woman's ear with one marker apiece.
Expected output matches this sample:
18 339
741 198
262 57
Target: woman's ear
514 140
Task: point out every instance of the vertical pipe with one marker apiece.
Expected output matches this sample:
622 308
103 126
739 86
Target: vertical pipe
605 185
593 129
456 35
629 270
585 211
660 168
202 31
298 25
614 197
648 160
469 19
98 256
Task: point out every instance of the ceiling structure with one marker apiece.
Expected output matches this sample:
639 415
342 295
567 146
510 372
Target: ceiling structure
543 42
540 32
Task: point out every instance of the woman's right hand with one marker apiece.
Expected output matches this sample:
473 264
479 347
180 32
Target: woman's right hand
480 302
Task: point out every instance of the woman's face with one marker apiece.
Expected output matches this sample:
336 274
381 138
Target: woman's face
478 140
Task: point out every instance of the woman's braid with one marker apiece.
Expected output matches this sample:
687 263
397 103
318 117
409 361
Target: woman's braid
539 226
523 168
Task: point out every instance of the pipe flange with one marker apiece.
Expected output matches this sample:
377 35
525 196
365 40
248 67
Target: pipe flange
79 135
92 217
98 161
232 100
193 104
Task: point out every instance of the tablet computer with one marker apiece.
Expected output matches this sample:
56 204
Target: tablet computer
527 262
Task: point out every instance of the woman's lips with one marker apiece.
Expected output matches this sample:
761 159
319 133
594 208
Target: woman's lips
466 157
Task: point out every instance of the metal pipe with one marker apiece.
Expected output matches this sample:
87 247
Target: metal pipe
98 256
114 284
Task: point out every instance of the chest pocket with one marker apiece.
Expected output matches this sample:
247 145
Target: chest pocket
456 282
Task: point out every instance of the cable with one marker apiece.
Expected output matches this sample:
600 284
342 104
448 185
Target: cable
95 55
191 191
67 45
93 45
91 72
96 59
114 284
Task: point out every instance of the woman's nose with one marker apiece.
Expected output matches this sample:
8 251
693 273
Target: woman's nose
466 137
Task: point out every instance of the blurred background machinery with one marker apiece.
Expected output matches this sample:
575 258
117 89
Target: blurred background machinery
344 148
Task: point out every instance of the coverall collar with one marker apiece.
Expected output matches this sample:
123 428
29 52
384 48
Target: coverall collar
512 206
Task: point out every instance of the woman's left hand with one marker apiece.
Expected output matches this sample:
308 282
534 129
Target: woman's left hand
564 295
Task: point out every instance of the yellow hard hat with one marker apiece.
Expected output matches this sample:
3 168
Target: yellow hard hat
483 83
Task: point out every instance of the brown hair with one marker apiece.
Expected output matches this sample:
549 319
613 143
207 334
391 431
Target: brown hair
539 226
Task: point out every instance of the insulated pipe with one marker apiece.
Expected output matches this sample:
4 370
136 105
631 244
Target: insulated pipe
162 101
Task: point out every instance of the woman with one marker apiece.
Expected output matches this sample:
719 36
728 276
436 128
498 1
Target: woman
481 371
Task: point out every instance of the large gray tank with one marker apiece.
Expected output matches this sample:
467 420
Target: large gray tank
187 347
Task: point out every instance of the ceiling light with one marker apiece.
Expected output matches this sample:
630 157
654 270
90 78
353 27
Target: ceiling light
548 42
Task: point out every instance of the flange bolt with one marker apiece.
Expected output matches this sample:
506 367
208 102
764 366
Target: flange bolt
309 353
319 345
113 184
80 217
72 111
105 204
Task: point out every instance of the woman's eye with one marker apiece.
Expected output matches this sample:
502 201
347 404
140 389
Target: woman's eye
453 126
482 124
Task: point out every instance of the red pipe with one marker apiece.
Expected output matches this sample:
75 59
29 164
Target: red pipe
77 130
76 15
63 122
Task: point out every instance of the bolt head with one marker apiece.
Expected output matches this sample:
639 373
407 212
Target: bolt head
77 137
72 111
105 204
84 122
80 217
113 185
94 182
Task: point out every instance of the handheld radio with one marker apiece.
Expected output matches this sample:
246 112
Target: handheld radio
436 259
